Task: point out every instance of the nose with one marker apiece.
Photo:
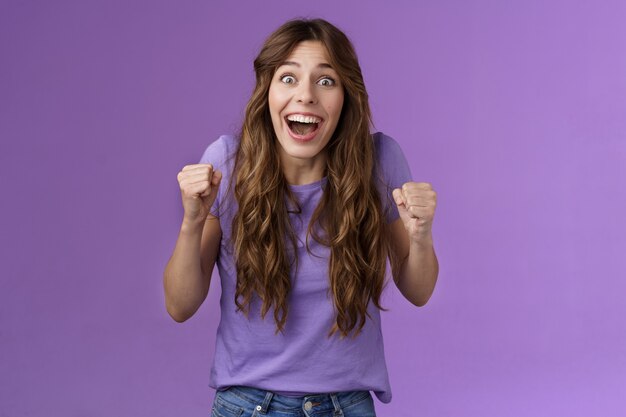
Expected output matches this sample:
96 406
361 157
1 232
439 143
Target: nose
306 93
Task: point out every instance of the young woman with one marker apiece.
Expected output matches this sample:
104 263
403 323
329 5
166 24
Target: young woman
301 211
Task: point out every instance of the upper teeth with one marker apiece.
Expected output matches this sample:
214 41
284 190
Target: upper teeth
303 119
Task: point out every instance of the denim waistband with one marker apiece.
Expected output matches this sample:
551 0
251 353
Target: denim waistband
261 399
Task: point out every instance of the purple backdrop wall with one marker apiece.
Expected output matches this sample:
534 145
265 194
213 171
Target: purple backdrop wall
514 111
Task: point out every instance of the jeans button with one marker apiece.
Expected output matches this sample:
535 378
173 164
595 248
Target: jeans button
308 405
258 408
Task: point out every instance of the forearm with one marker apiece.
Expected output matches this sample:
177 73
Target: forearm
418 273
184 284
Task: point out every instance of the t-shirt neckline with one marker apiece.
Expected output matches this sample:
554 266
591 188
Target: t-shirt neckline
301 188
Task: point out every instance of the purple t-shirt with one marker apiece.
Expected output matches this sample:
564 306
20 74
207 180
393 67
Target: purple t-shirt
302 360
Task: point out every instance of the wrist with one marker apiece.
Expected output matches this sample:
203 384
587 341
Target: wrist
192 225
422 242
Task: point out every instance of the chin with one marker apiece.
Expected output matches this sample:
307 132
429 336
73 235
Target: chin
301 151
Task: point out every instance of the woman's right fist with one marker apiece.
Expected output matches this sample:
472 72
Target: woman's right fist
198 186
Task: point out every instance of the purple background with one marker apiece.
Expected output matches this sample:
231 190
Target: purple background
514 111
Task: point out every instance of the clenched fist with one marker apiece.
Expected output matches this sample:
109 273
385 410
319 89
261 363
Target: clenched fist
416 203
198 185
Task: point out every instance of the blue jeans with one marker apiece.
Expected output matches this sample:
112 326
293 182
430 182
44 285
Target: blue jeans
252 402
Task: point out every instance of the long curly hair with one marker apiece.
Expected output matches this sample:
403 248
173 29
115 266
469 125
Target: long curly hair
349 217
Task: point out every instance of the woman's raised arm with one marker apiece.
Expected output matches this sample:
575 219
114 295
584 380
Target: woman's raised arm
187 275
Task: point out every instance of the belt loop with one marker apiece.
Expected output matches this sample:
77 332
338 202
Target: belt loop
266 402
338 411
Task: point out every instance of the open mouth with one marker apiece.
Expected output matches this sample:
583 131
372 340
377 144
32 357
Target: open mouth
303 127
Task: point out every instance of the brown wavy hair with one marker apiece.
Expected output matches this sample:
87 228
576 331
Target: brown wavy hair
350 215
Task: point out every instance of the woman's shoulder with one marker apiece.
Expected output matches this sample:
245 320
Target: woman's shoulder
221 151
392 164
392 170
387 149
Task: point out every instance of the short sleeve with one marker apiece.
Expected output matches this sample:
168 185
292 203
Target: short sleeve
215 154
393 171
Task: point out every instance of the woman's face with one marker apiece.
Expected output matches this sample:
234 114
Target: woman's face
305 101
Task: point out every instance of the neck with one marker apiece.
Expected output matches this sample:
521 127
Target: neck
300 171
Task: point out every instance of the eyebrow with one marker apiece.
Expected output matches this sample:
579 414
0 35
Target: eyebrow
322 65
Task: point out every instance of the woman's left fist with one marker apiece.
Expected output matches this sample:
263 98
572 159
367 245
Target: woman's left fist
416 203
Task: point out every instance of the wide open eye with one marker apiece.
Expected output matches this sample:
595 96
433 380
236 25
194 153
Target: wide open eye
326 82
288 79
